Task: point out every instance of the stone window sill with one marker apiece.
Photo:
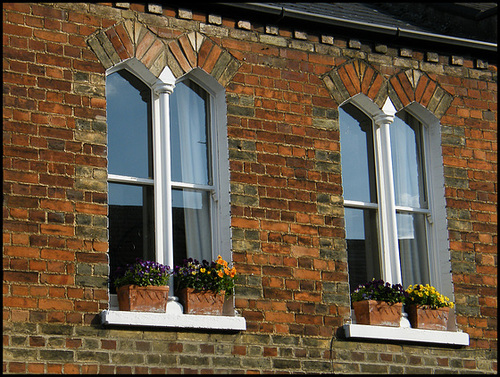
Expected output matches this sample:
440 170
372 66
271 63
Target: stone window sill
406 334
173 320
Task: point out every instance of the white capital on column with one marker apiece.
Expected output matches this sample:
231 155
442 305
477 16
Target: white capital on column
163 88
383 118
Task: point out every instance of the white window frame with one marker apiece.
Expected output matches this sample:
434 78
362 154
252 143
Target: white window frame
219 159
161 88
436 227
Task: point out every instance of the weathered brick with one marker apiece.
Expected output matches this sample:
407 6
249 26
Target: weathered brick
283 88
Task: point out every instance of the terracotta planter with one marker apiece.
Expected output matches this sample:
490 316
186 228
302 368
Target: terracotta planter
201 302
378 313
426 318
143 299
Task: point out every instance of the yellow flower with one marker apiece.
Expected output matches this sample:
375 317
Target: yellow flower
220 273
193 273
209 272
202 270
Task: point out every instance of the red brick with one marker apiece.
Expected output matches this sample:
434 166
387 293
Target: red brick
402 95
204 52
211 59
346 80
144 44
427 94
118 45
153 52
55 304
179 56
353 77
18 7
17 30
367 80
407 87
188 50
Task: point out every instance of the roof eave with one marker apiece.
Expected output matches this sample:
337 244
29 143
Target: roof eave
369 27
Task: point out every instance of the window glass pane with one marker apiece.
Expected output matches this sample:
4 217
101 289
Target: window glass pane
131 225
413 248
362 246
189 134
406 163
191 225
129 129
358 167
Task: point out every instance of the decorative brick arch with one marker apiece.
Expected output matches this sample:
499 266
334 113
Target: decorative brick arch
356 76
129 39
353 77
414 86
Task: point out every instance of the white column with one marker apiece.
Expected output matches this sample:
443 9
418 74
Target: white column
391 268
163 191
163 195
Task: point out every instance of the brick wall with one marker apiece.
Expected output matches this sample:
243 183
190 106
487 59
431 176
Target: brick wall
283 88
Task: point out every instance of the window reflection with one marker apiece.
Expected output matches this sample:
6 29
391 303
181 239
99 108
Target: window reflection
130 206
358 166
413 248
129 125
362 246
131 224
191 225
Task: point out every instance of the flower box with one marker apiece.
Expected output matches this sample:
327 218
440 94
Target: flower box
421 317
377 313
143 286
201 302
143 299
202 286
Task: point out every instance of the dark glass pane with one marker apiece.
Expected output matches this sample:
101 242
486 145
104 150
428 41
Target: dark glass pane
131 224
191 225
129 125
358 166
362 246
189 134
407 164
413 248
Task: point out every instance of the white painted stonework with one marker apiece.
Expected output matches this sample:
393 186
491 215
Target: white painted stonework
175 320
406 334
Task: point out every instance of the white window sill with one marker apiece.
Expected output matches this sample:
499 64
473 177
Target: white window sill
173 318
186 321
406 334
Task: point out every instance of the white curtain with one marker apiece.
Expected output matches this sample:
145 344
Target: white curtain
405 168
411 227
189 146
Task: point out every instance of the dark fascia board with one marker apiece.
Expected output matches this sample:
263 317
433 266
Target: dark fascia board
281 13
